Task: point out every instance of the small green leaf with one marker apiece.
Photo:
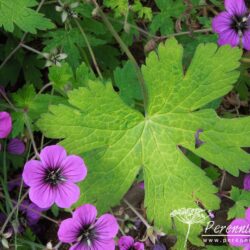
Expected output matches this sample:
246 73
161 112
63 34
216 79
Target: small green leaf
126 80
163 20
19 12
212 172
64 79
242 201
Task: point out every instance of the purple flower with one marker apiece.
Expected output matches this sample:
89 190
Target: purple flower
87 232
246 182
232 25
32 212
238 232
52 179
5 124
16 147
127 243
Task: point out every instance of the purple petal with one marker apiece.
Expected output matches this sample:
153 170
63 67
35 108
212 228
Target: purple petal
16 147
33 213
74 168
33 173
247 213
102 244
236 7
198 141
53 156
79 246
246 183
139 246
67 194
42 195
125 242
68 231
222 22
5 124
86 214
237 228
23 206
229 37
106 227
246 40
141 185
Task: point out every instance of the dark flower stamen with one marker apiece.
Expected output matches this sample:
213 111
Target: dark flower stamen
54 176
240 23
87 235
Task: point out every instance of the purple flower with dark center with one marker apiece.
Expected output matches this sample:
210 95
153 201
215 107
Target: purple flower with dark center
233 24
16 147
5 124
88 233
128 243
238 232
246 182
52 179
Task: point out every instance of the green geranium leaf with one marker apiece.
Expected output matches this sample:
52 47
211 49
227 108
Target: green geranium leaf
127 81
32 103
242 201
117 140
64 79
19 12
163 20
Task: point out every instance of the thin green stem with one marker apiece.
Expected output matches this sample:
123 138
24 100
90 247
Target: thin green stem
22 39
12 212
27 123
32 49
10 55
5 179
245 60
2 93
187 234
89 48
222 179
137 213
126 51
121 230
45 87
146 33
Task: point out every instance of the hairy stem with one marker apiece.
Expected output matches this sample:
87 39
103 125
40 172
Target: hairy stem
22 39
186 238
126 51
32 49
89 48
27 123
137 213
12 212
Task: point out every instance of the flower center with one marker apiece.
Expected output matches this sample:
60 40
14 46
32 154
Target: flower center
240 23
87 235
54 176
